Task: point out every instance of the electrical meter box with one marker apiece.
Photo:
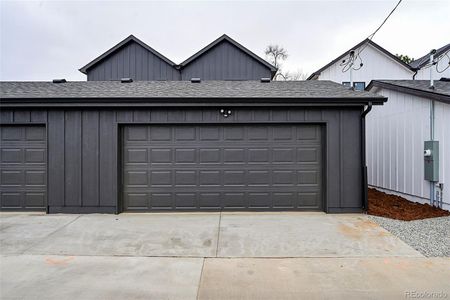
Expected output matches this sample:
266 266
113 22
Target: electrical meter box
431 160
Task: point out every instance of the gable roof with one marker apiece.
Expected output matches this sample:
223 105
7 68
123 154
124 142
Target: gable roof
225 37
169 91
371 43
421 88
424 60
129 39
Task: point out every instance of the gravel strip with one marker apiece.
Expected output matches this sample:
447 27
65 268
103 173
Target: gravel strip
431 237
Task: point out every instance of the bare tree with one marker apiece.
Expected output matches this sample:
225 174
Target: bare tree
276 54
297 75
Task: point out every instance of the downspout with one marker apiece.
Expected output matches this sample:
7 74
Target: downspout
363 155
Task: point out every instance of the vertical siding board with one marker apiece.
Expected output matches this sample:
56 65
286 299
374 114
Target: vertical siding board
351 159
22 116
333 157
6 116
56 158
108 159
38 116
90 157
72 158
141 116
124 116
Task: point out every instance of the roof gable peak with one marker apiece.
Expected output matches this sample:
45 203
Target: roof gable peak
121 44
225 37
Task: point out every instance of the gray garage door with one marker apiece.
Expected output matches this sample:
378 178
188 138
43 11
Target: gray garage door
240 167
23 162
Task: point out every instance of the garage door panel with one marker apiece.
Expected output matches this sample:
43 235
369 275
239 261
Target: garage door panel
34 200
23 164
35 156
186 156
11 156
35 133
223 167
10 200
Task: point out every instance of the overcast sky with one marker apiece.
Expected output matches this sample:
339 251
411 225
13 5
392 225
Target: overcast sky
42 40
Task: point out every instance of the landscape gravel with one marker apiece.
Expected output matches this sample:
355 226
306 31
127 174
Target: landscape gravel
431 237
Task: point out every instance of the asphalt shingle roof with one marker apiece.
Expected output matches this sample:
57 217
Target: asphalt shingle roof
181 89
441 90
440 87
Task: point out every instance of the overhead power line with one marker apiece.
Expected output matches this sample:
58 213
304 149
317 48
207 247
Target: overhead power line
353 57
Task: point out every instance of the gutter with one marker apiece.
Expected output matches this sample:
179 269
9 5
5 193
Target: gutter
363 156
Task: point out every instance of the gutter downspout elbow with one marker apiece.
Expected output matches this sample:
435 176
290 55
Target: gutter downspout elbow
363 156
415 73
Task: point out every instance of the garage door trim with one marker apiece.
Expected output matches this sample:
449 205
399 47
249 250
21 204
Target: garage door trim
323 168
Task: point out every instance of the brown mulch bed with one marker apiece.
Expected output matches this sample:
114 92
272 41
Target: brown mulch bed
396 207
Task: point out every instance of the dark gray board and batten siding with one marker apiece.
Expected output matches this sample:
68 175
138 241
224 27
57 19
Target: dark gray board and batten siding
225 62
132 61
84 149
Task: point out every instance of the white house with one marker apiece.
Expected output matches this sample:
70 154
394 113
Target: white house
396 132
378 63
395 135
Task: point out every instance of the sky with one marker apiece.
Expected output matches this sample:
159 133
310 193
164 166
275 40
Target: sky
43 40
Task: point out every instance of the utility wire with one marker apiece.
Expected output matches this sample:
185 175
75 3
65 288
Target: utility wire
347 64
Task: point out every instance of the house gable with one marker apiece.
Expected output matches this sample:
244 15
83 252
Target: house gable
378 63
131 58
225 59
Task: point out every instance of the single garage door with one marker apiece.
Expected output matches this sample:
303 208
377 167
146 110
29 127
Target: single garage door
23 159
219 167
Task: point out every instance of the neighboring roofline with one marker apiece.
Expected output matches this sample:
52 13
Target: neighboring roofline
315 74
225 37
120 45
409 90
424 60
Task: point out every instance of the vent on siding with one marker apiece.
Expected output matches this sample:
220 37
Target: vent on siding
62 80
126 80
265 79
195 80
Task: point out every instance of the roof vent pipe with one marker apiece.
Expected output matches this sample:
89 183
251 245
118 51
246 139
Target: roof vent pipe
126 80
62 80
195 80
265 79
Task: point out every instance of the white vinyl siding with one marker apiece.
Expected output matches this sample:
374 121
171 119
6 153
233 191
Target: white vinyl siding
396 133
377 65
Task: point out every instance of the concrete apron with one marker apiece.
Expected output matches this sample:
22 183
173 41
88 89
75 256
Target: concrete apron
162 256
325 278
200 235
92 277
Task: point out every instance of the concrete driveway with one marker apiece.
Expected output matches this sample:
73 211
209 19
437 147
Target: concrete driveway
210 256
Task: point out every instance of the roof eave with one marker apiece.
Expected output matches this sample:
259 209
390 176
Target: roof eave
409 90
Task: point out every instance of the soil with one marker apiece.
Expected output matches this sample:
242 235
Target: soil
396 207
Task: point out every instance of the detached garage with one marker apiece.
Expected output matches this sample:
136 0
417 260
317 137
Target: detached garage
111 146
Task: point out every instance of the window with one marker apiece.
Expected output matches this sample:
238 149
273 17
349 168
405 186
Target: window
358 86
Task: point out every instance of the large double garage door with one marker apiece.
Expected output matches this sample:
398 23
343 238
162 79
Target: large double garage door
220 167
